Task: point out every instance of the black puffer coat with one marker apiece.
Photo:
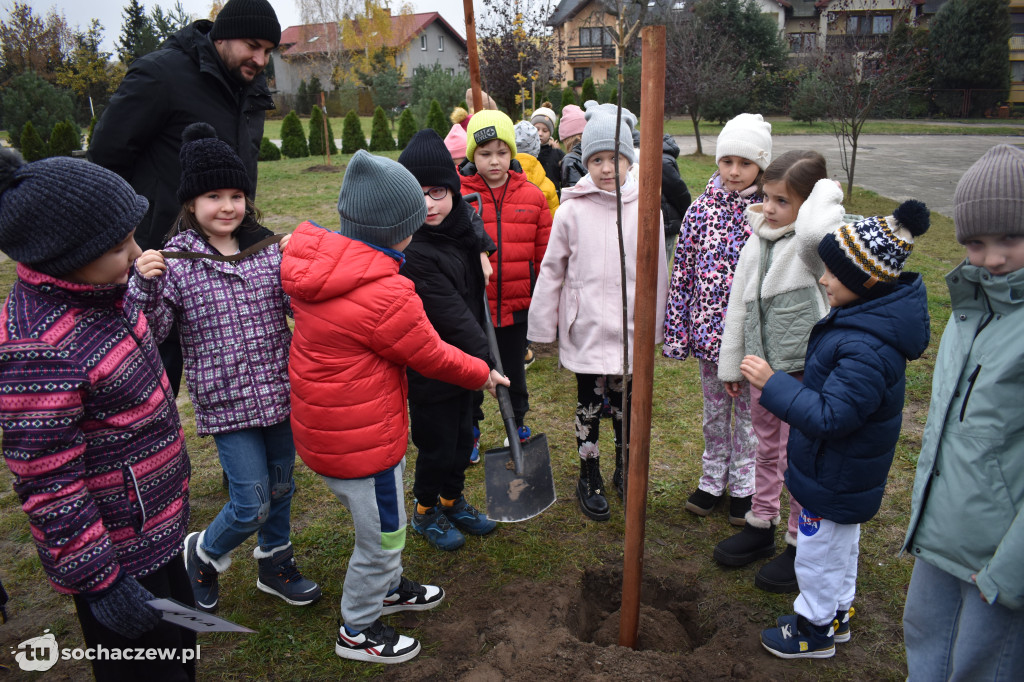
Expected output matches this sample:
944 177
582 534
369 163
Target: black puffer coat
443 261
138 135
573 168
551 159
675 195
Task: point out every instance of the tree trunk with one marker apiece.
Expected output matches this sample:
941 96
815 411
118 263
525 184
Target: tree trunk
696 133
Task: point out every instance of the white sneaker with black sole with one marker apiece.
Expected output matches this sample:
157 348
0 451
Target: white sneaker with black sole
411 596
378 643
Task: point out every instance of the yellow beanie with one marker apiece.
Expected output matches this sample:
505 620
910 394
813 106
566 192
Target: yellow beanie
486 126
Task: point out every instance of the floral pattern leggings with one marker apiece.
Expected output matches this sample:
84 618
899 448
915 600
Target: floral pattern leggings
730 445
591 391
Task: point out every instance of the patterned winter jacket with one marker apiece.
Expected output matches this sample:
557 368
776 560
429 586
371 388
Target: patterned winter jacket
234 331
90 432
358 325
713 233
517 218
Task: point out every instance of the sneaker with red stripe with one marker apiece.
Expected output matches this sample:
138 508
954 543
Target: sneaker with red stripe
378 643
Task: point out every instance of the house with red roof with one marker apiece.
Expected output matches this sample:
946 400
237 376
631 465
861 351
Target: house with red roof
309 50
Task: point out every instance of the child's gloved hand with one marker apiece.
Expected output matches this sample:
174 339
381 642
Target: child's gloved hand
494 380
123 608
151 264
756 371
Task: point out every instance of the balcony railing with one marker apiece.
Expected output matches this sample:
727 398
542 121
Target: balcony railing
591 52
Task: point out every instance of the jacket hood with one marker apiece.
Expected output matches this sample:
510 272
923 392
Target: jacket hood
319 265
900 318
669 146
586 187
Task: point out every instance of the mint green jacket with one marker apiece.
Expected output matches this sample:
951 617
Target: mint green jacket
969 488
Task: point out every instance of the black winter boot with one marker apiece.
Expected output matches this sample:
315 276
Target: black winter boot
755 541
590 490
779 574
618 479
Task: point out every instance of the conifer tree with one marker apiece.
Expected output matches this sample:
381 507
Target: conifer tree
293 139
352 136
380 133
269 151
64 139
436 119
568 97
588 92
32 146
406 128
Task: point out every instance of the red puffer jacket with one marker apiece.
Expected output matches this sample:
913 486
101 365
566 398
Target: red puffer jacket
358 324
517 218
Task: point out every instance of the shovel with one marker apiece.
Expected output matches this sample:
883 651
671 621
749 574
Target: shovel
519 481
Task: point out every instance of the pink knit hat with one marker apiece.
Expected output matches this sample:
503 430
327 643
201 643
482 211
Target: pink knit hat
572 123
455 141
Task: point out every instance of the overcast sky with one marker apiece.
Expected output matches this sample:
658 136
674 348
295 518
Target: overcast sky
109 12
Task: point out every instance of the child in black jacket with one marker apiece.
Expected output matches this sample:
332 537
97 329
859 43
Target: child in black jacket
444 262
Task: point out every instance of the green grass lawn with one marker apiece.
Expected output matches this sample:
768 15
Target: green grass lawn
297 645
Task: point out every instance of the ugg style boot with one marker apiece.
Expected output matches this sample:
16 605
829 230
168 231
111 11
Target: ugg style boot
618 477
590 490
779 574
755 541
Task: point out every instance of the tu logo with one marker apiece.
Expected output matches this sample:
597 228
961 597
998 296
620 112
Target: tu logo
37 654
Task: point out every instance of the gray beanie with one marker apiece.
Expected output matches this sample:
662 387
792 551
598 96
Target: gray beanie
380 202
527 138
989 199
599 133
60 214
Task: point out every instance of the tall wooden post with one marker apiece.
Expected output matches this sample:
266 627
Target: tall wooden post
652 103
474 57
327 140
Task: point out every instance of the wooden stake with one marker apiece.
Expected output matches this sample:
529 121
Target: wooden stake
652 108
474 57
327 140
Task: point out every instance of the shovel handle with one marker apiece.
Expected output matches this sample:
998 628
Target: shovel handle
504 400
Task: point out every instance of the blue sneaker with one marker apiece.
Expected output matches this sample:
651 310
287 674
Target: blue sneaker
840 626
524 435
467 518
800 640
438 530
474 457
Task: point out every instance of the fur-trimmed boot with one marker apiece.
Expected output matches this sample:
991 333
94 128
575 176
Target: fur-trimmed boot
779 574
279 576
202 572
590 490
755 541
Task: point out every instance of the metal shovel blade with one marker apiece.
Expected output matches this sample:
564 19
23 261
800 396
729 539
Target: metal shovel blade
513 497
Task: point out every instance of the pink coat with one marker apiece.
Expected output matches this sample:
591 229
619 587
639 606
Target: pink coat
578 290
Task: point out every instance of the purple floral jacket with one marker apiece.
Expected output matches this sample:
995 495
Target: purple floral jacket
712 234
232 320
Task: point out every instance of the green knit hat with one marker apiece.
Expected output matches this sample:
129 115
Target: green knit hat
489 125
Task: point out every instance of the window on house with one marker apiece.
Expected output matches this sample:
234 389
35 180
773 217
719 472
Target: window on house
423 41
440 43
595 36
802 42
863 25
881 24
581 74
1017 71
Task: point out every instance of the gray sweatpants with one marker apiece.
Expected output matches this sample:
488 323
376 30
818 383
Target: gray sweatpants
377 506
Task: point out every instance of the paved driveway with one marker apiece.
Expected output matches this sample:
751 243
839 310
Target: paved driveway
925 167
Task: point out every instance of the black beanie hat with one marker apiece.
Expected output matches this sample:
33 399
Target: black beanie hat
430 162
208 163
247 19
60 214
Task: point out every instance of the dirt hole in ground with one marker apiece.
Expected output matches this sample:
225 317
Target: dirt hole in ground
669 617
321 168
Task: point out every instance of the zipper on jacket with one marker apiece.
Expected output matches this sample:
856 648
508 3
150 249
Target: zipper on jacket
970 387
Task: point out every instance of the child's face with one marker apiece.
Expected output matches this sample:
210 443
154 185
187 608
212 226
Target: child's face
439 203
838 294
543 132
1000 254
492 161
113 267
737 173
219 211
780 204
601 167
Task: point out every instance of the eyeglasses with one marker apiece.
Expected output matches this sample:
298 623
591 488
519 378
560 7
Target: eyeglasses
436 193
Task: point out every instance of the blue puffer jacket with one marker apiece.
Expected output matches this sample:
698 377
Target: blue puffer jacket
847 413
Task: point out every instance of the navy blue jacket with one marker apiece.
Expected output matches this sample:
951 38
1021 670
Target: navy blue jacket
847 413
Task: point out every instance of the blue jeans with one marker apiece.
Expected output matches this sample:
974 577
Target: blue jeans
258 463
951 633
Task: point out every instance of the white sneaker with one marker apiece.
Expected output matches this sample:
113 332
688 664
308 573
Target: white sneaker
378 643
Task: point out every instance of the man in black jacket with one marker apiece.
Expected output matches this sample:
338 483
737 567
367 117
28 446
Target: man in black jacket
207 71
210 72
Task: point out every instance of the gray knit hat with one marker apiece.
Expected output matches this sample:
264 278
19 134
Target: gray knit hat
247 19
60 214
546 116
599 133
527 138
380 202
989 198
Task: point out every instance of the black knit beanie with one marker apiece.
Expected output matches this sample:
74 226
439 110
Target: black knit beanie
429 161
208 163
247 19
60 214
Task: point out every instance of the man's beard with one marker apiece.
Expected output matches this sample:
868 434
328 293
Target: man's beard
240 78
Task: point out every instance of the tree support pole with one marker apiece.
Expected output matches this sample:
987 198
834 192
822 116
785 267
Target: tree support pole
652 106
474 56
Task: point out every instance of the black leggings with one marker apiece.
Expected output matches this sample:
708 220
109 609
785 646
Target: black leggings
590 392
